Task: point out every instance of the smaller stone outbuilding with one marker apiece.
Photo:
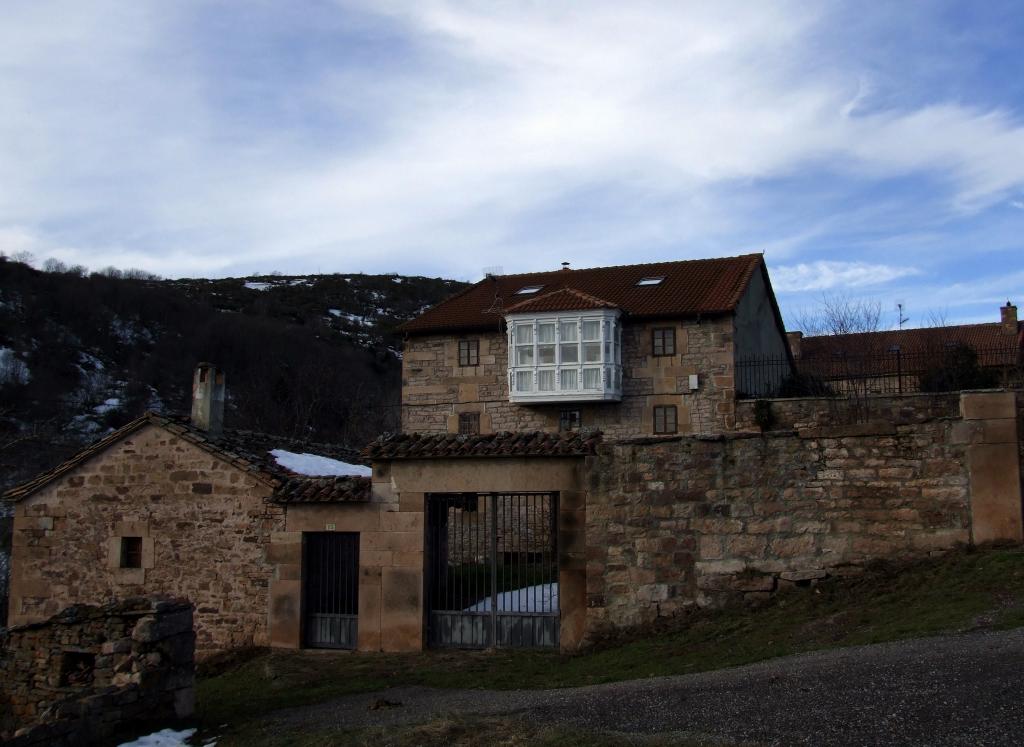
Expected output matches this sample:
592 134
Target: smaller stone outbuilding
169 505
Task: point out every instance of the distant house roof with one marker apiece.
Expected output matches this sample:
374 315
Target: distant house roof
247 450
980 337
688 288
506 444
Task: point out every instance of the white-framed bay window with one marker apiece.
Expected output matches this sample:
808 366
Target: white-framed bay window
565 356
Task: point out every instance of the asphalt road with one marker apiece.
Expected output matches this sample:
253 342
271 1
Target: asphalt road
949 690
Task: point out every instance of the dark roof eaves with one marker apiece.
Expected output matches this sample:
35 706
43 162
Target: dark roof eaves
26 489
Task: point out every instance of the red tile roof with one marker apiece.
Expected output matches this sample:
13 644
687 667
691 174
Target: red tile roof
443 445
980 337
324 490
691 288
564 299
246 450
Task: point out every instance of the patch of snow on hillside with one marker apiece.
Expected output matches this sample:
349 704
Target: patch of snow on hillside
12 368
107 405
397 280
354 318
539 598
259 286
129 331
164 738
313 465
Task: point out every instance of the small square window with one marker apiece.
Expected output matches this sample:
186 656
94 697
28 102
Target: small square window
664 341
569 420
665 419
469 423
528 289
469 353
650 281
131 552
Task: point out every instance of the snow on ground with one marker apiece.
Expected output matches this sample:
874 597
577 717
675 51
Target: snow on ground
165 738
259 286
540 598
313 465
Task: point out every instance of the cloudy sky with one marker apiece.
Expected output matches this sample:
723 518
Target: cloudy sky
872 149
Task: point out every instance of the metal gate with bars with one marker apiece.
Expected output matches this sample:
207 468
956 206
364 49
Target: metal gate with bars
330 562
492 570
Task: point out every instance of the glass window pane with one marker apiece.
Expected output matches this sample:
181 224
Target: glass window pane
546 354
524 356
592 378
570 379
524 381
591 330
591 352
568 331
524 334
546 381
570 352
545 332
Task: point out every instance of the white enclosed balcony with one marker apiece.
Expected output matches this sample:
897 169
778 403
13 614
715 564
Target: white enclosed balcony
565 357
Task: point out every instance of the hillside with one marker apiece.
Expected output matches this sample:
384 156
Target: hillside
309 357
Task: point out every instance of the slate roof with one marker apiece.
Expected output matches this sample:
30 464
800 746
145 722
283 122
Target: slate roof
506 444
246 450
691 288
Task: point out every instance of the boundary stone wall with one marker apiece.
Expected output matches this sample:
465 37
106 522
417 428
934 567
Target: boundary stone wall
89 673
680 521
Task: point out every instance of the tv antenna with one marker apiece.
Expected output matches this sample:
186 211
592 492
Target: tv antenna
902 319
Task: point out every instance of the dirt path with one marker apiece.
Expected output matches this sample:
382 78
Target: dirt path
950 690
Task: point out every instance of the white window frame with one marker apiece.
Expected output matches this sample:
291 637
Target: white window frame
605 373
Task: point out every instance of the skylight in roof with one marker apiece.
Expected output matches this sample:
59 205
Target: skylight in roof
528 289
650 281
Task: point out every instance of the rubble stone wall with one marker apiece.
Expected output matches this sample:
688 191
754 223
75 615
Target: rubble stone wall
679 521
692 520
204 525
808 412
89 672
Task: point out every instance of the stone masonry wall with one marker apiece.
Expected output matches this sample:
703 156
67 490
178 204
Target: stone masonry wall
205 527
807 412
435 389
673 522
92 672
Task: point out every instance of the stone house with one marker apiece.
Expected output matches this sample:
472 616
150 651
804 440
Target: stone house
631 350
173 505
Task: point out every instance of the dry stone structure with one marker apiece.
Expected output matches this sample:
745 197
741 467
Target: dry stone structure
90 672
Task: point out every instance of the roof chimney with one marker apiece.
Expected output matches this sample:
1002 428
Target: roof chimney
1008 317
565 265
208 399
794 338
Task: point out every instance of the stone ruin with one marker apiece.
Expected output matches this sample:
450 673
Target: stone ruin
92 672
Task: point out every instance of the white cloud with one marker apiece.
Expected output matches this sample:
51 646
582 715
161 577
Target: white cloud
517 134
826 275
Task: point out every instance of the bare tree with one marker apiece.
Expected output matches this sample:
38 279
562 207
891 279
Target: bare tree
840 314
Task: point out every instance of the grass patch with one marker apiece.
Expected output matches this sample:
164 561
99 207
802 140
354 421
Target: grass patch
494 731
960 591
